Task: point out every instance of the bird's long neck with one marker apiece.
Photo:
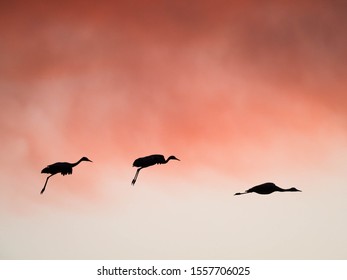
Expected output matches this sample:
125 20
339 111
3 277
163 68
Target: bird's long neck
76 163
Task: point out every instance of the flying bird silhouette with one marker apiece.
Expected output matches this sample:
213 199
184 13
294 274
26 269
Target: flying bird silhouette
63 168
267 188
149 161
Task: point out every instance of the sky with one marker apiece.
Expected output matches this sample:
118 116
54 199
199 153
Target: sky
241 92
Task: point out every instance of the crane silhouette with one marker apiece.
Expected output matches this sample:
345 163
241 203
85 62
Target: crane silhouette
267 188
63 168
149 161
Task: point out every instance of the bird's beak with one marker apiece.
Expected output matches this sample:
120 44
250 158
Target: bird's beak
89 160
177 159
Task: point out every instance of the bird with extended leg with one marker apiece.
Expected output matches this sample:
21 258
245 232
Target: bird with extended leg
64 168
267 188
149 161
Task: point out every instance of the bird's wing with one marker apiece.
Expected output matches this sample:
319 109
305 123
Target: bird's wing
66 170
56 165
265 188
149 160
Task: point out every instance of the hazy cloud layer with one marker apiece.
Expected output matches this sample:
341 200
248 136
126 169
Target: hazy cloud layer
165 75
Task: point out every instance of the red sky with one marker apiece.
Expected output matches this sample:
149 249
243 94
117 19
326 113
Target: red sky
245 90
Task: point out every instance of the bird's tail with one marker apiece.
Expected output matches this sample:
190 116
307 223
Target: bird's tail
45 170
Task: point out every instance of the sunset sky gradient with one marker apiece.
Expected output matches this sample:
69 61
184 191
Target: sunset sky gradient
242 92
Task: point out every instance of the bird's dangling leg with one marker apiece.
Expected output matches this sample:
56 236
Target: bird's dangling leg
135 178
45 184
239 193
